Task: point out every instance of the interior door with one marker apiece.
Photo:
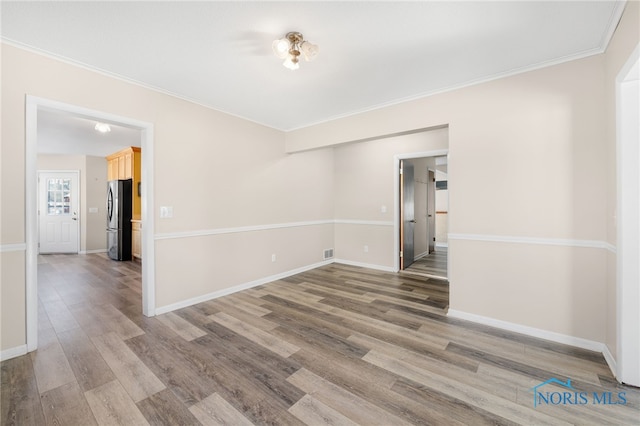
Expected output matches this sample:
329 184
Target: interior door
58 203
431 211
407 213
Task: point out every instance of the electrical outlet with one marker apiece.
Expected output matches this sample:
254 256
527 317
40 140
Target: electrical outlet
366 249
383 209
273 257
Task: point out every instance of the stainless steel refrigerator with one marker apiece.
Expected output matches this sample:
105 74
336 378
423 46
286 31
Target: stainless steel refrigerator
119 212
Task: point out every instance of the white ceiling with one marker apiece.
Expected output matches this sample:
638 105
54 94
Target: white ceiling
63 133
371 53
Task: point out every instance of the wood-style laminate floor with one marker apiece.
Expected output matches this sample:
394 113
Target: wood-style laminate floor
335 345
433 265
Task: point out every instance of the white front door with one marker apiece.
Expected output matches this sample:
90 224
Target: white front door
58 207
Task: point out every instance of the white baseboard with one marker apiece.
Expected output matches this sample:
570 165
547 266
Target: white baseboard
420 256
214 295
443 245
531 331
93 251
366 265
611 361
13 352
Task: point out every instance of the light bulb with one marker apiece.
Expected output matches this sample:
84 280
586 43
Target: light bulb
103 127
291 63
309 50
281 47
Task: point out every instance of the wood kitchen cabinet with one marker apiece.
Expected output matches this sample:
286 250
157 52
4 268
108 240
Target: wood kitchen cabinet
136 239
112 168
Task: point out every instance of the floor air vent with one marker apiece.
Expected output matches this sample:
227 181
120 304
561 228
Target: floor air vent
328 253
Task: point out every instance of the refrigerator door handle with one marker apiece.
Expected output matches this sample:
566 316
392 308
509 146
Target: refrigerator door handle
110 204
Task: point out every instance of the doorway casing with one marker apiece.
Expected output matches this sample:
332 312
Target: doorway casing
33 104
628 212
396 202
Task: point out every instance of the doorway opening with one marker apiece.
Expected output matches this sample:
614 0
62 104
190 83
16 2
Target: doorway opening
39 106
421 224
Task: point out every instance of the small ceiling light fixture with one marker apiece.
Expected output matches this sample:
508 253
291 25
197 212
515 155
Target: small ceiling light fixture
103 127
289 48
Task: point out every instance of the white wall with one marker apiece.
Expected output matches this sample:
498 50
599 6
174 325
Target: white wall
95 196
364 179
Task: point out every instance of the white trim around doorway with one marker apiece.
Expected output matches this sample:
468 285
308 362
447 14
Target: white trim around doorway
628 217
396 199
33 104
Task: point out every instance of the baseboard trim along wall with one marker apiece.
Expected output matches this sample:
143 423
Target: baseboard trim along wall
539 333
532 240
13 352
93 251
365 265
611 361
23 247
227 291
420 256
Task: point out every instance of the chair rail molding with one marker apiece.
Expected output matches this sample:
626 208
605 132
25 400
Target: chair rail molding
534 240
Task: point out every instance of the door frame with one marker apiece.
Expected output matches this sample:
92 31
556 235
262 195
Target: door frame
628 233
79 215
402 264
431 238
33 104
396 199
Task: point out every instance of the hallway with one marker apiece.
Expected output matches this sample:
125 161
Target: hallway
433 265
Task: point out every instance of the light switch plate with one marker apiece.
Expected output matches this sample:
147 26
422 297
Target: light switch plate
166 212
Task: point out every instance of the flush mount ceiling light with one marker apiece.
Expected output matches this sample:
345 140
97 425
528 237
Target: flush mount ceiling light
289 48
103 127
